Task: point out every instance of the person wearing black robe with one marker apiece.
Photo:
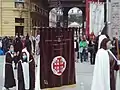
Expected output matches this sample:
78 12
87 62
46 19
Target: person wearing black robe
114 49
26 71
18 49
9 73
32 72
91 50
28 44
18 45
5 44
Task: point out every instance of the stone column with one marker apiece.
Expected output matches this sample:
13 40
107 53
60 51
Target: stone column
65 17
83 20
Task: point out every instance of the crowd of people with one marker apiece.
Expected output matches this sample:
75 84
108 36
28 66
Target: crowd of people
31 41
103 52
86 48
19 56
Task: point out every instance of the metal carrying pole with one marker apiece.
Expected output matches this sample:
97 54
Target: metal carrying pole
58 13
107 9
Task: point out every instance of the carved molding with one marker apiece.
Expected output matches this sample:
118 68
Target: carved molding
67 3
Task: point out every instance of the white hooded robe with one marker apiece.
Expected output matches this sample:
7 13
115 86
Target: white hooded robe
101 74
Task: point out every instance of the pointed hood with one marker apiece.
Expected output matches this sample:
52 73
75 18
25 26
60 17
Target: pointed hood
105 29
27 53
101 38
25 67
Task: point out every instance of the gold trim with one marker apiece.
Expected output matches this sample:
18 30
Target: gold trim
62 87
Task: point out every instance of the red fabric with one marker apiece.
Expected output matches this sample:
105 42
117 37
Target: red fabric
97 0
23 42
87 17
92 35
57 43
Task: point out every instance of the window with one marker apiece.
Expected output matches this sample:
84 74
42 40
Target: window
19 5
19 0
19 20
35 8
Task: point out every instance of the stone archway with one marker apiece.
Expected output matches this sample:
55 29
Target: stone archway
75 15
55 16
66 5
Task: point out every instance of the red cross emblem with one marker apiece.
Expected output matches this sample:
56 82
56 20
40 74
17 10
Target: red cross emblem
58 65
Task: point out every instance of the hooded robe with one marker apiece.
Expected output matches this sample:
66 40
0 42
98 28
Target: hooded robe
26 72
101 37
32 72
9 74
18 45
103 76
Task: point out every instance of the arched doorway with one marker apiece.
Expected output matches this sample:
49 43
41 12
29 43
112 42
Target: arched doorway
75 15
55 17
75 19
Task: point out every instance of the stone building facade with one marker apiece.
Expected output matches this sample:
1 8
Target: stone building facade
22 16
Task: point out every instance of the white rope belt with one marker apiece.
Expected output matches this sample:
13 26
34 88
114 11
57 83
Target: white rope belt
8 63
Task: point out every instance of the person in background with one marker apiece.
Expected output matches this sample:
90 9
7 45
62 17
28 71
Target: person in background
18 48
1 51
31 38
1 43
34 42
76 46
23 41
18 44
114 49
10 40
83 49
9 74
91 50
5 44
28 44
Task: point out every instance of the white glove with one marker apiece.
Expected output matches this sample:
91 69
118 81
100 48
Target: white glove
118 62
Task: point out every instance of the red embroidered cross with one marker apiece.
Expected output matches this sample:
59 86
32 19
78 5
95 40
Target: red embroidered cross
59 65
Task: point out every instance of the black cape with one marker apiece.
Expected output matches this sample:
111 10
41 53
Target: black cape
21 85
9 75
